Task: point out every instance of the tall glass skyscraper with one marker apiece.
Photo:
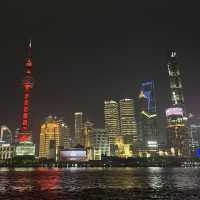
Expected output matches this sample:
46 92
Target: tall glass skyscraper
177 135
111 119
148 89
148 118
128 126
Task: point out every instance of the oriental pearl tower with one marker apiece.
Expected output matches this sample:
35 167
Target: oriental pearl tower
24 135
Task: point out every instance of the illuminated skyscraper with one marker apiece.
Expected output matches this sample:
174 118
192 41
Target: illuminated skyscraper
176 87
88 127
50 139
177 135
148 124
111 119
148 89
66 138
127 121
24 135
78 128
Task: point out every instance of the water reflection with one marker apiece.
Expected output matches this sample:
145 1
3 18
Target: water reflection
49 179
72 183
155 178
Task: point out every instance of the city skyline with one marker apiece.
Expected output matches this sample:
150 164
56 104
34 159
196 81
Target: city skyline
99 100
79 73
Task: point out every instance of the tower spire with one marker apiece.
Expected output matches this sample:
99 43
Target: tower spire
24 144
28 83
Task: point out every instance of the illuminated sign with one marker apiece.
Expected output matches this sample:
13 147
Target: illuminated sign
73 154
174 111
152 144
25 149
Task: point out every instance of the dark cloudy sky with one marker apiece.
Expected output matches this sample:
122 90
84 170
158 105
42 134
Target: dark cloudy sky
87 51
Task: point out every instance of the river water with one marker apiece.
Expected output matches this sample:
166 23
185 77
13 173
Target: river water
99 183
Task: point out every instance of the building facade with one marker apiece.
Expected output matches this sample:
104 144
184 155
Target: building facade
66 138
7 151
100 145
88 128
176 86
148 117
78 128
148 89
177 131
50 139
128 127
111 119
195 138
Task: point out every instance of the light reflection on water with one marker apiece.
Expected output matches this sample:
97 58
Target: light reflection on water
153 182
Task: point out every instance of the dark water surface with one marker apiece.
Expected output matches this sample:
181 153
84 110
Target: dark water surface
99 183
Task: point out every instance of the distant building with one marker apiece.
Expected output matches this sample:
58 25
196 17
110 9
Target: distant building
88 128
122 149
78 128
100 145
6 135
111 119
195 138
128 127
50 139
66 138
7 151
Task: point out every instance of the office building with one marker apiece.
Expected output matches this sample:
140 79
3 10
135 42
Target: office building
111 119
100 145
148 89
148 118
177 131
78 128
128 127
50 139
66 138
88 128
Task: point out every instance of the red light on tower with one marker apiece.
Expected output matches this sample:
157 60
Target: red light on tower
28 82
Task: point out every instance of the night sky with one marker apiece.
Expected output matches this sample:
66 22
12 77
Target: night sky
88 51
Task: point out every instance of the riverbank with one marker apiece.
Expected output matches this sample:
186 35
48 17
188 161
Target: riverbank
109 162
